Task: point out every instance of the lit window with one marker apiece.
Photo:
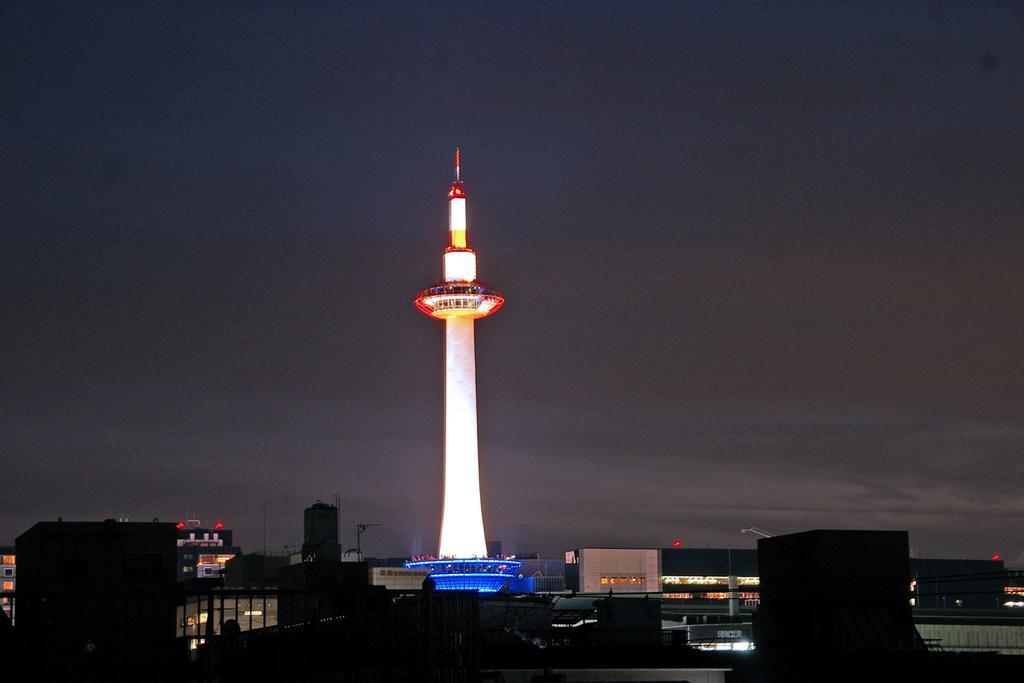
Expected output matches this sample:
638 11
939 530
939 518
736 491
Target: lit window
7 559
8 585
604 580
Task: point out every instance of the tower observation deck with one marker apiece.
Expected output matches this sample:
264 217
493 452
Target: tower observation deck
460 299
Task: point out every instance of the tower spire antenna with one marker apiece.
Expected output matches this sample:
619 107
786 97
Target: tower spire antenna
457 164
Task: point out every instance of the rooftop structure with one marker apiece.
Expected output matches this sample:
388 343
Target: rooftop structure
203 550
320 533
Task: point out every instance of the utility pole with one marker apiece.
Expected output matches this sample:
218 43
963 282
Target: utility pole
360 528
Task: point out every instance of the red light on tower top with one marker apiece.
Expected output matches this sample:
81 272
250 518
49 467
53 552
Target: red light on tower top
457 191
218 524
996 557
180 525
677 543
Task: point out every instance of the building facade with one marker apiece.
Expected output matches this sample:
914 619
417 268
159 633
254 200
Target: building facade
954 583
398 578
710 575
616 570
8 579
203 551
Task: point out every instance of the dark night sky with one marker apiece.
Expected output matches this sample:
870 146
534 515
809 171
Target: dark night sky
763 267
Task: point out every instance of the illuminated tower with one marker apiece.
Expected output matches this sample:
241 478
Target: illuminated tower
459 300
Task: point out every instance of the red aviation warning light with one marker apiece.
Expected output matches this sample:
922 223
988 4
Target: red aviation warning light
180 525
457 208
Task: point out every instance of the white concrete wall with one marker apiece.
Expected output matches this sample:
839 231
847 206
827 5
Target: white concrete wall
1005 639
397 578
595 563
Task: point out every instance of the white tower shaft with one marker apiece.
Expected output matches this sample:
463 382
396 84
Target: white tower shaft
459 300
462 521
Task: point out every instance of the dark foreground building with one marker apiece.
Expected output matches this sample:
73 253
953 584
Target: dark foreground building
836 606
100 601
96 600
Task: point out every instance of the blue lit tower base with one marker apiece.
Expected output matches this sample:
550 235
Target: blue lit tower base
486 575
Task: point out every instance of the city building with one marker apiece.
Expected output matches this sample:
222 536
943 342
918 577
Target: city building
539 575
460 299
615 570
8 579
1013 591
308 589
254 571
710 574
92 593
202 551
971 584
831 591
